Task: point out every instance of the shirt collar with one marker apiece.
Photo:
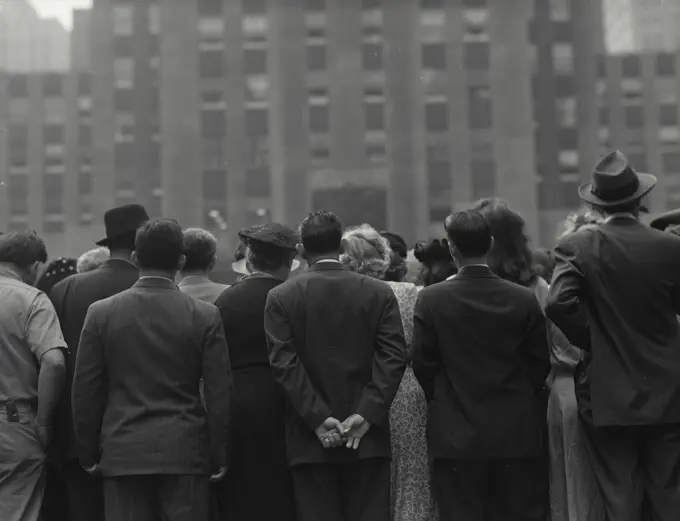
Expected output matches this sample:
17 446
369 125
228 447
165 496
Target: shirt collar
10 272
623 215
327 260
193 279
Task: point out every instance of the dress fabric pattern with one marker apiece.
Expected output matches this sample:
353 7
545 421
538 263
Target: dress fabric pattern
412 499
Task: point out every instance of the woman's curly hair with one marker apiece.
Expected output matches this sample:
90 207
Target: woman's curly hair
435 258
510 257
365 251
577 220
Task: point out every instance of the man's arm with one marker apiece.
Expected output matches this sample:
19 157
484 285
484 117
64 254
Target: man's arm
426 357
389 364
286 366
89 393
218 390
536 347
565 307
46 342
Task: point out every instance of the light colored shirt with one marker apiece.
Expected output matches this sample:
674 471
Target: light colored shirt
454 275
628 216
202 288
29 328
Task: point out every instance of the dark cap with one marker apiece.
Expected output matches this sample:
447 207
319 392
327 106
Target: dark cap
397 243
273 234
665 220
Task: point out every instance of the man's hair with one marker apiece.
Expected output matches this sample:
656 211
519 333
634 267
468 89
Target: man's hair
200 247
266 257
469 232
124 241
159 244
321 232
23 248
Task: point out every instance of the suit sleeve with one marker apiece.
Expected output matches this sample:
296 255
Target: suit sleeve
218 389
536 349
287 369
389 364
426 357
89 393
565 300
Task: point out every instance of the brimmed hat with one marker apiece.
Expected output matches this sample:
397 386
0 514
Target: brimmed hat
397 243
122 220
614 182
665 220
273 234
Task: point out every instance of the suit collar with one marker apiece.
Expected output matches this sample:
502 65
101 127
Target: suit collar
120 264
476 271
192 280
156 282
327 266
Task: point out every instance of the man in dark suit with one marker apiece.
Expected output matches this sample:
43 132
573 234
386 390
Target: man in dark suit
336 346
616 294
137 408
71 298
481 355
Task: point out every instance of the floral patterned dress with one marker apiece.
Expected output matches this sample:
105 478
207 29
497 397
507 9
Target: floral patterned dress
412 499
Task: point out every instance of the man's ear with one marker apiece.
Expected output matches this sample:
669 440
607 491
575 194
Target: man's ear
301 250
181 261
212 263
134 259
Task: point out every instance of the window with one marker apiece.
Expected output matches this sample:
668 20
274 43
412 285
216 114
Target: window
316 5
376 152
477 56
563 58
480 113
211 64
84 84
214 185
316 57
436 116
213 154
257 88
213 100
123 73
85 135
18 194
124 46
631 66
371 4
255 61
560 10
17 86
566 111
431 4
668 114
671 162
320 152
476 25
372 56
438 169
123 20
53 85
603 116
212 8
434 56
211 26
53 134
665 64
84 183
123 155
257 122
669 135
213 123
53 185
483 178
319 118
475 3
154 19
17 137
124 99
374 115
635 117
254 6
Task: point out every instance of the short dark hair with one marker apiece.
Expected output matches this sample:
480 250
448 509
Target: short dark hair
23 248
265 257
397 269
469 232
321 232
124 241
200 247
159 244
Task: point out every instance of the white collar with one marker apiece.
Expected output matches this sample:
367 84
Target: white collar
624 215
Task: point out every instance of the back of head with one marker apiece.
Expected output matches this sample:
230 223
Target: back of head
55 272
23 249
365 251
397 243
469 233
200 248
159 245
93 259
321 233
265 257
510 257
436 262
577 220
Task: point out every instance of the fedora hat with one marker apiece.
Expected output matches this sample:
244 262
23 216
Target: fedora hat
121 220
663 221
614 182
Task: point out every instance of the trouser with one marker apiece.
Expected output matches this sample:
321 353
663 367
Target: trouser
163 496
356 491
491 490
637 469
55 500
22 466
85 493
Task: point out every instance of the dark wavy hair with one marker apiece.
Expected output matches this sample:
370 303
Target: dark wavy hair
510 257
396 271
55 272
436 261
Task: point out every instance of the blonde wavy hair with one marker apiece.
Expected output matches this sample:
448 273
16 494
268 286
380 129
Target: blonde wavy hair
365 251
575 221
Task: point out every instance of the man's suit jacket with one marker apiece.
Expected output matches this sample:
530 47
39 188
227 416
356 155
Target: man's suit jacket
136 399
72 298
616 294
336 345
481 356
202 288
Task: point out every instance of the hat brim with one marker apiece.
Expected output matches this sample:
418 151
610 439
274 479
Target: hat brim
647 182
665 220
241 267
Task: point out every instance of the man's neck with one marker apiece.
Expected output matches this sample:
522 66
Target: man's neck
120 255
158 274
313 259
476 261
281 273
194 273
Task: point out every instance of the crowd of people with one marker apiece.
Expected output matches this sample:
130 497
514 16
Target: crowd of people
346 377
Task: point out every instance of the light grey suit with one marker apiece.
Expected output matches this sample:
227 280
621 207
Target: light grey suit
202 288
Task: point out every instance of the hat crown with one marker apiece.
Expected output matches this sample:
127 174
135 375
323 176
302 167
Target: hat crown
124 219
614 178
